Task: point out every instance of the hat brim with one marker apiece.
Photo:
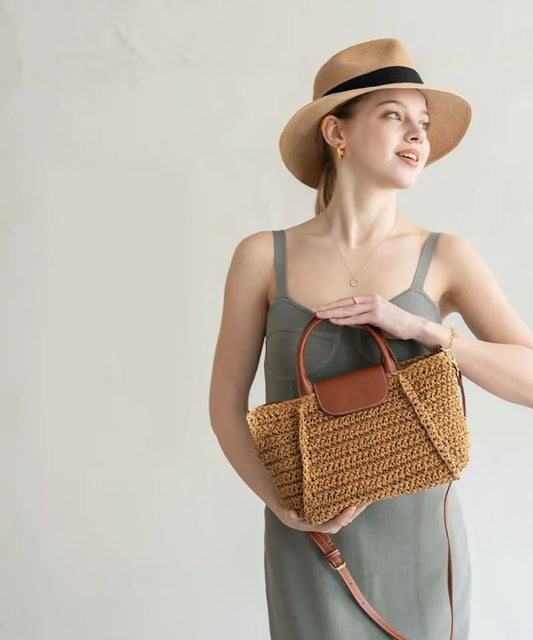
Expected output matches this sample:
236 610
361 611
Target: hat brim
300 141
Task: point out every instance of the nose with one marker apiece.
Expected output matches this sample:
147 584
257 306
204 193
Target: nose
417 138
416 132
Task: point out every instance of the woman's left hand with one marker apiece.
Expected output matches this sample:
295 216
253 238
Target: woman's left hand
372 309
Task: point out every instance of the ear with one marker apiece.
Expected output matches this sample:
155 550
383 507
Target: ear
331 128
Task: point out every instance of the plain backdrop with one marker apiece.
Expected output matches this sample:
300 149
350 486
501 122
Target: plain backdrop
138 146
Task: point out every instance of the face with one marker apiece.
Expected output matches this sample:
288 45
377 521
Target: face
380 129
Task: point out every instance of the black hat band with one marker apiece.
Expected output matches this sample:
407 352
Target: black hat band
385 75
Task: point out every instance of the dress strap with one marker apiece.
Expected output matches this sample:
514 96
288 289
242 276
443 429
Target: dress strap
425 260
280 262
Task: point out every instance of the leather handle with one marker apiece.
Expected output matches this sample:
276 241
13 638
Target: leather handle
388 359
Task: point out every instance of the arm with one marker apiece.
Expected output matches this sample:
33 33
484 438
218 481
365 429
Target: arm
237 354
500 356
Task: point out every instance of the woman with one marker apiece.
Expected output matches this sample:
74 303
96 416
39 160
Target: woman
370 130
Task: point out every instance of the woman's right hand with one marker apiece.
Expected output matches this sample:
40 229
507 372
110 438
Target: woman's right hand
290 518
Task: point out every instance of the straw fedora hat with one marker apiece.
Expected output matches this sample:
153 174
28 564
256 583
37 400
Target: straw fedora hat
367 66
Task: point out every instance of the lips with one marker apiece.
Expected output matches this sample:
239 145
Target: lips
410 161
412 150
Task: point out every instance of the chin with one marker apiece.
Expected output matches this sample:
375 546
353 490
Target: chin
398 181
406 183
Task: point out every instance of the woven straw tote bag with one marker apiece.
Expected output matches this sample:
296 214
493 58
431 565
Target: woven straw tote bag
382 431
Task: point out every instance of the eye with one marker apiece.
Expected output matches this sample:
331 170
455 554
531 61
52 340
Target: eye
426 124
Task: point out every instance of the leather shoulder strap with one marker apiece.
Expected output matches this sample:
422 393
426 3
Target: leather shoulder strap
333 556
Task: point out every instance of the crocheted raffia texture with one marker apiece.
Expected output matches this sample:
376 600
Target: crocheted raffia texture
417 438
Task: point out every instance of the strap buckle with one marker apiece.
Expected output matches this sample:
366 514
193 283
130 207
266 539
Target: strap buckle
334 553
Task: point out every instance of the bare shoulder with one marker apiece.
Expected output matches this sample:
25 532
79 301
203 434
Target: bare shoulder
247 280
255 247
251 264
243 322
474 292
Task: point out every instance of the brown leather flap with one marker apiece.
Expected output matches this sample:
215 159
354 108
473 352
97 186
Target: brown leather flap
352 391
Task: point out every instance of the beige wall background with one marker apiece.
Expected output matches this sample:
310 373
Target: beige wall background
138 146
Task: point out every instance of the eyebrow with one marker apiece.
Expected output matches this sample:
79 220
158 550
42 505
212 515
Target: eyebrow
398 102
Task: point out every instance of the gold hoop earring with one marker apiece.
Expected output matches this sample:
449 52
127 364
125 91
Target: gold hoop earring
340 152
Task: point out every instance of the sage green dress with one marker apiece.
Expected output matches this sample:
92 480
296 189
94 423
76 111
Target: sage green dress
395 549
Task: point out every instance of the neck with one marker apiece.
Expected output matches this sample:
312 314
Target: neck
361 218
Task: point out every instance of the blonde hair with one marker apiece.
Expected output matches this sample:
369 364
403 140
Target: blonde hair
328 177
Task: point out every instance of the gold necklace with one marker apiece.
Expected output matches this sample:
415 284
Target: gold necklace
353 280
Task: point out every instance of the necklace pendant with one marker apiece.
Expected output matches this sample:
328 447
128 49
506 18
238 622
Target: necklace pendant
354 282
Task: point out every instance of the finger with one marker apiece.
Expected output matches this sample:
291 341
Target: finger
332 525
343 307
353 317
346 516
294 516
343 518
345 311
355 300
352 301
358 509
329 305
